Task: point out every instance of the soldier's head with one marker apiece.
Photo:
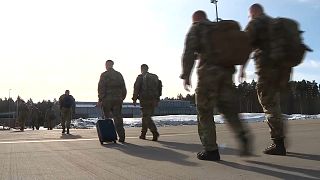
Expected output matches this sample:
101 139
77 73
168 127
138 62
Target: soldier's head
199 16
144 68
255 10
109 64
67 92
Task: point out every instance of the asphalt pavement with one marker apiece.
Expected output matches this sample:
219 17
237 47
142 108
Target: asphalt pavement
43 154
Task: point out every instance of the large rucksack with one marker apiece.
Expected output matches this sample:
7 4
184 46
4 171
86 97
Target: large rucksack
151 86
286 44
228 45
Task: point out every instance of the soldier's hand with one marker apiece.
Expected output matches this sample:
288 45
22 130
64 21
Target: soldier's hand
187 84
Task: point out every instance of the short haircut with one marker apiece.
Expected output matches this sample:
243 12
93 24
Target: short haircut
144 66
257 7
67 91
110 61
199 14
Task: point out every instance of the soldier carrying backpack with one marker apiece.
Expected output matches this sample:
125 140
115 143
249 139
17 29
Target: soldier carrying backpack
278 47
148 89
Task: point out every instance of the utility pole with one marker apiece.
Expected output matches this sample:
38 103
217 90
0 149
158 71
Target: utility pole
216 3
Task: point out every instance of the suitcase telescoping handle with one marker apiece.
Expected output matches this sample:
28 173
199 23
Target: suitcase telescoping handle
102 112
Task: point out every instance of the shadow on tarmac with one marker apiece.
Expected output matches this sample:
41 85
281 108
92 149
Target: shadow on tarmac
70 136
198 147
182 146
152 153
307 174
304 156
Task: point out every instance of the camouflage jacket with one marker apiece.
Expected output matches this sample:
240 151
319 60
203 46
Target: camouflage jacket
62 101
197 47
23 107
111 86
144 93
258 30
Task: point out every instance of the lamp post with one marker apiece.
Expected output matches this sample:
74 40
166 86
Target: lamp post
216 3
9 102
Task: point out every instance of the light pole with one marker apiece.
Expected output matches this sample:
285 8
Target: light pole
216 3
9 102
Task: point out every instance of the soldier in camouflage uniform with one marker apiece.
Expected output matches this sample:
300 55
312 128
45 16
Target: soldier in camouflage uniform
50 117
67 107
23 112
215 87
271 78
148 101
111 93
34 116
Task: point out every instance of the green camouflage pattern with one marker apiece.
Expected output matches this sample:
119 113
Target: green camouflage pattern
50 117
147 102
147 109
23 112
111 86
147 87
66 115
114 108
214 89
272 78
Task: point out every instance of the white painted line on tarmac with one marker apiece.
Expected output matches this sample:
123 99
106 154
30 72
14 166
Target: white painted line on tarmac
83 139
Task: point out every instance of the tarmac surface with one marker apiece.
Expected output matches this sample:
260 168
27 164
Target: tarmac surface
47 154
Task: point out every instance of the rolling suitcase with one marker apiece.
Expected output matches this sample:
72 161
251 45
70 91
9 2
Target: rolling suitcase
106 131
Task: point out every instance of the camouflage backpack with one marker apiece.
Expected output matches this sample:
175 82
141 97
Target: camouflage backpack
228 44
151 86
286 44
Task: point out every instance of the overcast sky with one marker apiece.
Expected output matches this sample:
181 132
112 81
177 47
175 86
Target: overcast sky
47 46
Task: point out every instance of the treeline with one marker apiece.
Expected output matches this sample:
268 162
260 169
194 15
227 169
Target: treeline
301 97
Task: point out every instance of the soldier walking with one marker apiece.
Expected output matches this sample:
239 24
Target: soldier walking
67 106
111 93
272 78
215 87
50 117
147 88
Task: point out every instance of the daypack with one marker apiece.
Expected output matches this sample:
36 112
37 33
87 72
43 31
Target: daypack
228 45
151 87
286 44
68 101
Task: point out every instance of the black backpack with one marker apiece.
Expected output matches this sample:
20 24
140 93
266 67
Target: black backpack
68 101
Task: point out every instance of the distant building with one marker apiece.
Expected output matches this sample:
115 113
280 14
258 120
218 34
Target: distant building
165 107
175 107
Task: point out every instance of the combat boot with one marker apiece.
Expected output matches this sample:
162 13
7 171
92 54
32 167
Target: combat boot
63 131
68 131
209 155
276 148
155 136
143 135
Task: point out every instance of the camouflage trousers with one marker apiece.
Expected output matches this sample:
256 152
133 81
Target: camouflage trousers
22 119
114 108
216 89
271 81
50 123
66 115
147 109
